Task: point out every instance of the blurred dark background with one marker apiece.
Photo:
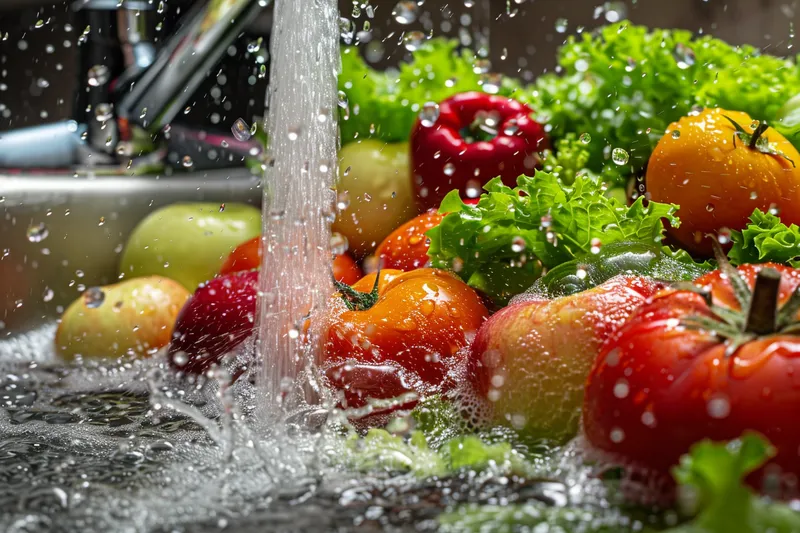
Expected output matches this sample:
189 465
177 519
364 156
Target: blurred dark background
39 44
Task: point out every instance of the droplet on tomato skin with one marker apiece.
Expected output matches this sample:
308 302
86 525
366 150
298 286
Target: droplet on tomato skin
427 307
612 358
407 324
649 419
718 407
616 435
621 389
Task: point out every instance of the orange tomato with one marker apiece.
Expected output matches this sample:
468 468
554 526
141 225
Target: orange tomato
708 168
406 248
417 323
247 256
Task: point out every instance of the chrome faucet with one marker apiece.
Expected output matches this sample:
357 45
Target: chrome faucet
132 89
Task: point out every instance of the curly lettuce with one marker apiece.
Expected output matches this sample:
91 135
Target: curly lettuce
501 245
385 104
624 84
766 239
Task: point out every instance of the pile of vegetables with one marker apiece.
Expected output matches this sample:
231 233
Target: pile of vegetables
520 283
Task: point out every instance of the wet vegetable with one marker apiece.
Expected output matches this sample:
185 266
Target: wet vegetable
713 473
385 104
710 361
188 242
500 245
624 84
247 256
133 317
374 193
619 258
406 248
718 166
530 360
470 139
766 239
398 334
216 319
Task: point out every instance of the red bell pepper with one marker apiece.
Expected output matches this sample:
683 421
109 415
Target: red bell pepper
475 138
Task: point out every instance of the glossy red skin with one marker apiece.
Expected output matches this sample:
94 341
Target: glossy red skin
217 318
506 155
247 256
386 350
406 248
672 373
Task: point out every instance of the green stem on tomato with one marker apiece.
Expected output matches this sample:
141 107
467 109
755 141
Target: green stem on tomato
356 300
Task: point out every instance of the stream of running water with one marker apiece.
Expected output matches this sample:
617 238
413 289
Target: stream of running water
298 197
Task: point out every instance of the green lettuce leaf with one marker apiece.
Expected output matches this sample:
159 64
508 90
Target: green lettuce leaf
385 104
714 473
501 245
624 84
766 239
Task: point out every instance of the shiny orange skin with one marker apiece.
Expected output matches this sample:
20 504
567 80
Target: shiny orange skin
406 248
247 256
421 320
656 387
716 184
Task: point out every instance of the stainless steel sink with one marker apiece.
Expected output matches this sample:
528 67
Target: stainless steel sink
60 234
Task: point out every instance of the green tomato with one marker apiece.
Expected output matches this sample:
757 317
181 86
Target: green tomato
188 242
375 180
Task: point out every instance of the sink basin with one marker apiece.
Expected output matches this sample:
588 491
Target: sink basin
60 234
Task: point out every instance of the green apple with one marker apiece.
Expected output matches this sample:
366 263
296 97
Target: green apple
133 317
188 242
375 195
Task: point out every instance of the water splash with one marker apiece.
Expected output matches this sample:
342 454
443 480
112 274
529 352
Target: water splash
298 200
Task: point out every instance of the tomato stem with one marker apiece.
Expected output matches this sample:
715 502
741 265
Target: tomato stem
762 314
356 300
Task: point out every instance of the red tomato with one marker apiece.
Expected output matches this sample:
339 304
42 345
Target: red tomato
247 256
406 248
407 338
677 373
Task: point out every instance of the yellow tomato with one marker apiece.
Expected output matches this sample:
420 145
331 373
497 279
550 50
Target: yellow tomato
718 177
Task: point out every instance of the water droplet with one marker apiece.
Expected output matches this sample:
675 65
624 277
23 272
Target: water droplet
684 56
449 169
561 25
405 12
98 75
473 189
676 134
481 66
518 244
48 294
103 112
753 195
339 243
221 208
724 236
240 130
774 210
187 162
619 156
585 138
342 201
710 207
755 124
595 245
94 297
413 40
511 127
294 132
718 407
617 435
37 232
621 389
